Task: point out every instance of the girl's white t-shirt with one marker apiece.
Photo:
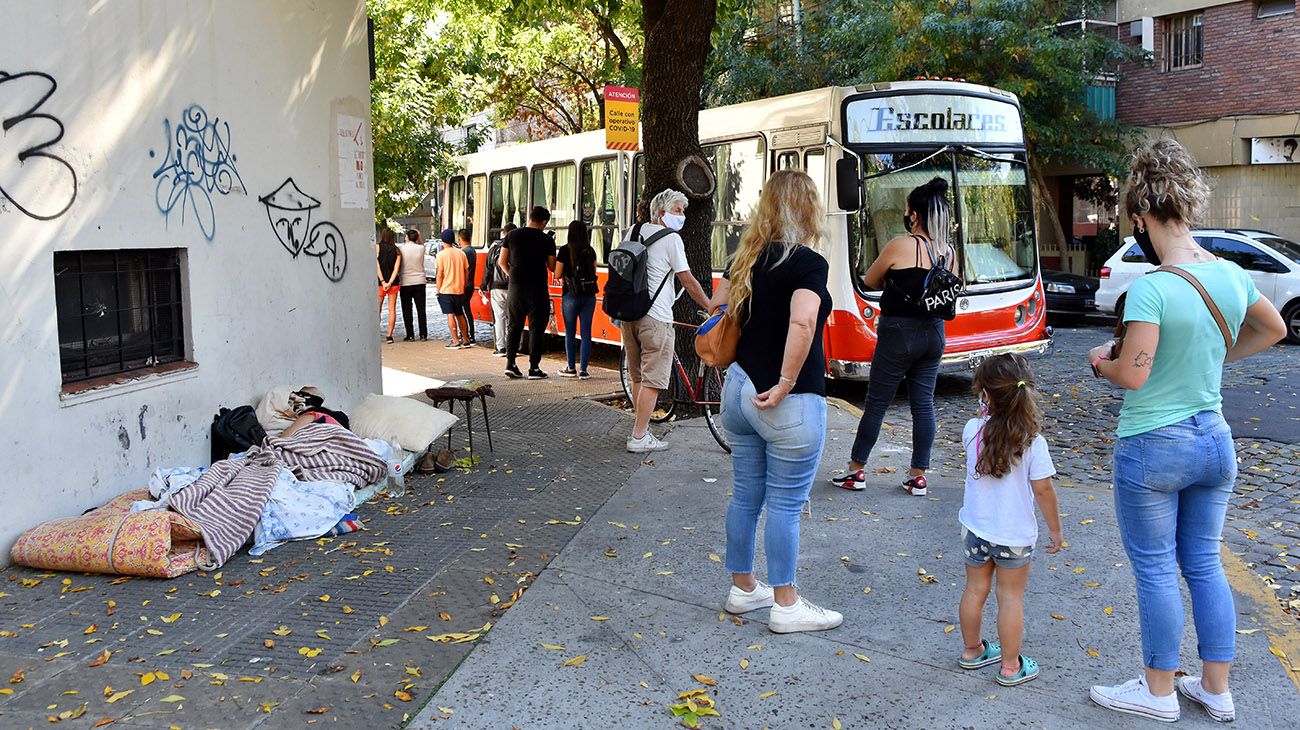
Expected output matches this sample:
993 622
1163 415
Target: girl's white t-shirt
1001 509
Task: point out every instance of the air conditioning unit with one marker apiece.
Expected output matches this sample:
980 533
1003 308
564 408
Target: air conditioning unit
1144 28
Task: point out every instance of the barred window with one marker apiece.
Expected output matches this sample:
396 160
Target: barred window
1183 41
118 311
1273 8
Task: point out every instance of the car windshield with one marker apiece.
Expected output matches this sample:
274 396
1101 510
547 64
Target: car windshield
992 228
1288 249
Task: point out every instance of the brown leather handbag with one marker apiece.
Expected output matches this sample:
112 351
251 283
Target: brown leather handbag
1121 328
716 340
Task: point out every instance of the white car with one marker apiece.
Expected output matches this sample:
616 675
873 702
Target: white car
1272 261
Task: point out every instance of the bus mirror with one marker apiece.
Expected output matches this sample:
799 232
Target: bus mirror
847 183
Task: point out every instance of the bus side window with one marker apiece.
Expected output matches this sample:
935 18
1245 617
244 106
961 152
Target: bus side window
814 163
507 202
456 218
554 188
600 208
740 168
787 161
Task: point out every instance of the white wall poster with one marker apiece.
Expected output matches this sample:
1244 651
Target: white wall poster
353 142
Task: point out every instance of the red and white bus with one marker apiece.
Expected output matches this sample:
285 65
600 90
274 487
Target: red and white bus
896 135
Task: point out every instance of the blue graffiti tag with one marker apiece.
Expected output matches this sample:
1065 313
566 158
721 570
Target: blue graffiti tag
198 163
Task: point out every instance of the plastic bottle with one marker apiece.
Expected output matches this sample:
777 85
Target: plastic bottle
396 486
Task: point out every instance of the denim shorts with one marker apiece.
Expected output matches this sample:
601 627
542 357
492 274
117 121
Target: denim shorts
977 551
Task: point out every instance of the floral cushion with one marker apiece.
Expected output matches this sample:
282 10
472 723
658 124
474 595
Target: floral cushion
154 543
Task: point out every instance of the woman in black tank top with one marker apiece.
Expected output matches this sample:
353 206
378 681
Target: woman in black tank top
909 340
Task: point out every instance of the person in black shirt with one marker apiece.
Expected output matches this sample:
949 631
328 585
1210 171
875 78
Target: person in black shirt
774 397
529 255
575 267
388 259
471 253
910 341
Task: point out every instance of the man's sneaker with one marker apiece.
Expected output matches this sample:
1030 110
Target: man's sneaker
466 345
584 375
537 374
498 353
568 372
802 616
855 481
1134 698
645 444
915 486
739 601
1219 706
512 372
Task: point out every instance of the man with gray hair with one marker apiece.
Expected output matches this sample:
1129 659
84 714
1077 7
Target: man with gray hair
649 341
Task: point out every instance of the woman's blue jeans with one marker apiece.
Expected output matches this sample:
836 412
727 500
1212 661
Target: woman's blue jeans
575 308
774 458
1171 493
907 348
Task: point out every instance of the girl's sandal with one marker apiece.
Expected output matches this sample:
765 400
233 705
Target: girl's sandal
1028 671
992 654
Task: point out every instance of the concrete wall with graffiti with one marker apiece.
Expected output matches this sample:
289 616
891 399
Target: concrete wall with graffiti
229 137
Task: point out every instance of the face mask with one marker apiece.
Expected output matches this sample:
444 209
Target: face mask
673 221
907 223
1143 239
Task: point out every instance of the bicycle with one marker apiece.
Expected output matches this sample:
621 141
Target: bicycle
704 391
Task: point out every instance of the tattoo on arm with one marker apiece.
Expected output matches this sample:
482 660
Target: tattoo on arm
1142 360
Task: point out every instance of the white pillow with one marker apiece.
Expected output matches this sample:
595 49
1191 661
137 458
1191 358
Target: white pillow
413 424
276 399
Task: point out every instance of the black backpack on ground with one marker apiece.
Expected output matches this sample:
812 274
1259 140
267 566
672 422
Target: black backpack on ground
235 430
628 295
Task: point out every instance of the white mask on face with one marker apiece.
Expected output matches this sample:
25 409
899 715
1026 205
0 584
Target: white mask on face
673 221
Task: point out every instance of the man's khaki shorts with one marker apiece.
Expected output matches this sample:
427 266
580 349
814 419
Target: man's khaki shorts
649 345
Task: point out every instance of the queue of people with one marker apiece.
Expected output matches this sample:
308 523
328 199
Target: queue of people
1174 461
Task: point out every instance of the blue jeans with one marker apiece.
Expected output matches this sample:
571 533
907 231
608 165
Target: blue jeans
1171 494
577 307
907 348
774 458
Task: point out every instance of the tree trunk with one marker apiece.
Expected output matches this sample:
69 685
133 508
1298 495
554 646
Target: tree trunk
678 40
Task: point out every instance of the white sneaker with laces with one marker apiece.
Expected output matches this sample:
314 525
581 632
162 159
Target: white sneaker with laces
1134 698
1219 706
645 444
802 616
739 601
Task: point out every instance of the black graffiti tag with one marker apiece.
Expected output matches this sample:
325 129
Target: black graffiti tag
289 210
37 182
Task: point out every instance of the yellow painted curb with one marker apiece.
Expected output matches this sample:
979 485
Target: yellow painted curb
1283 631
844 405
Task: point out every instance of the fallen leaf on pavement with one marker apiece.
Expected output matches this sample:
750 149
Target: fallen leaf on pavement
575 661
172 698
100 660
705 680
765 695
403 696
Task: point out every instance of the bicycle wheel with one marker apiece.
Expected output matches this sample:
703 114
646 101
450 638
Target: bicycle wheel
663 407
711 382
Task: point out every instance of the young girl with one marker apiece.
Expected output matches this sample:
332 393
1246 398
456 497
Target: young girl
1007 470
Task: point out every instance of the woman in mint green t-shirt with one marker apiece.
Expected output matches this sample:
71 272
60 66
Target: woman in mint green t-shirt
1174 464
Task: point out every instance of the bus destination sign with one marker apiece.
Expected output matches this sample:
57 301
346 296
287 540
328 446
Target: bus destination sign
932 118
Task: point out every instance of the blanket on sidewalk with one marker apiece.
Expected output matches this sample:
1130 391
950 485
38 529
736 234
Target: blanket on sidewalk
323 452
299 510
226 501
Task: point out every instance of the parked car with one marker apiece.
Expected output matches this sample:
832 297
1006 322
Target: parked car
1070 294
430 261
1272 261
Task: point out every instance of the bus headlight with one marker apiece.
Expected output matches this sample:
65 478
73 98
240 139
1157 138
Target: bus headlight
1020 314
1033 306
868 313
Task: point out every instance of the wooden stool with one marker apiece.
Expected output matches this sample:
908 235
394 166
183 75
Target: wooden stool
464 392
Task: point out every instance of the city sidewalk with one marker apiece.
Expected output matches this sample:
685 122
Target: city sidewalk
629 616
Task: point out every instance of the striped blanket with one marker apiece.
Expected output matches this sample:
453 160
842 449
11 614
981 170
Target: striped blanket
227 500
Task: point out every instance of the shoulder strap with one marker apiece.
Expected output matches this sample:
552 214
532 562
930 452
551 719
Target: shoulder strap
661 233
1209 303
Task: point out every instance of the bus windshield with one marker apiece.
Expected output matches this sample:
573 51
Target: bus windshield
992 225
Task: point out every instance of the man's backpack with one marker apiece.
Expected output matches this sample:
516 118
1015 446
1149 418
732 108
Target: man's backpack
494 277
235 430
628 295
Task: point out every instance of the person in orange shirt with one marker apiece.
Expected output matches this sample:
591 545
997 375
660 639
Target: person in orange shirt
452 279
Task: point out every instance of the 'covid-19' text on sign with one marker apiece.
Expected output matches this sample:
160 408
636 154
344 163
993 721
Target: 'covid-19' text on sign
621 118
932 118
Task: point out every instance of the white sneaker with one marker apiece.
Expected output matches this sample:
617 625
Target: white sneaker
1219 706
802 616
1134 698
645 444
739 601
